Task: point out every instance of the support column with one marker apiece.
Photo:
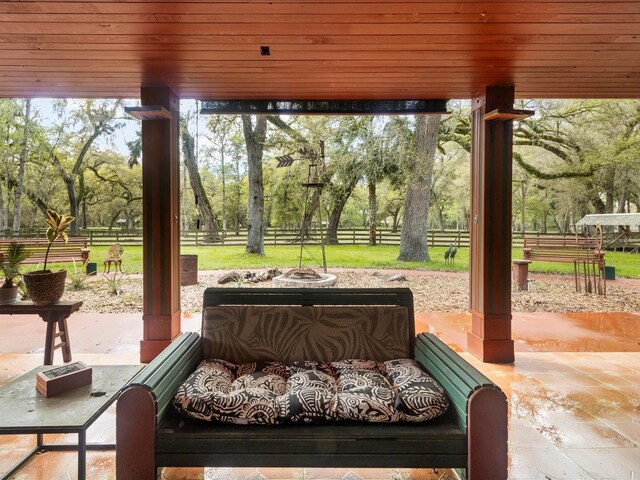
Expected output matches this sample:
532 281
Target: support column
161 228
490 227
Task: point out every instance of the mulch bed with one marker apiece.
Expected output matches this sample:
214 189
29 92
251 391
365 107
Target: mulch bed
433 292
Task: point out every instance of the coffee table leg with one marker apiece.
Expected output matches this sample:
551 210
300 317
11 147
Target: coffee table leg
82 455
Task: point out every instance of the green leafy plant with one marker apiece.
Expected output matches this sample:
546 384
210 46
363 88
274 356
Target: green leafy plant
78 277
16 253
114 283
57 226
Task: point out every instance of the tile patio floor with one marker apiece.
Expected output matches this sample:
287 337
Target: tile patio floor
574 394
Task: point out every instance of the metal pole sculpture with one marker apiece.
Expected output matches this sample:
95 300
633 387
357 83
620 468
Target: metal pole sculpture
313 188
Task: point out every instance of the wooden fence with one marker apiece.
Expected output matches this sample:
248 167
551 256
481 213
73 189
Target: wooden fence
276 237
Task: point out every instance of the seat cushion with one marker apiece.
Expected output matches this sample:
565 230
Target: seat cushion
310 392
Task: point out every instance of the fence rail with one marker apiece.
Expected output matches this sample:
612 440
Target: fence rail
276 237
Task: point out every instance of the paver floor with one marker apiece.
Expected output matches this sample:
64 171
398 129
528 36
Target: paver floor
574 396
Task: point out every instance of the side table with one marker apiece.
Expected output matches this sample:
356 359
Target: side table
25 411
55 317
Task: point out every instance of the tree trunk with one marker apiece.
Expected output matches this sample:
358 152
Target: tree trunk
413 239
254 139
439 210
593 195
523 194
224 190
237 220
396 221
69 182
203 204
183 200
24 154
339 199
332 227
373 213
3 213
69 178
82 201
622 199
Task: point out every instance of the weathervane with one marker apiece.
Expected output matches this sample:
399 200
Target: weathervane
312 182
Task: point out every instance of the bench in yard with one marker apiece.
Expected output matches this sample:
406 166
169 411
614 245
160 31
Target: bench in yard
584 253
251 324
74 250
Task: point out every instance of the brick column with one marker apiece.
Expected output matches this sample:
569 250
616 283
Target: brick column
161 227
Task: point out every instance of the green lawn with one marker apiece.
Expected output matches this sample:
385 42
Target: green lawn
349 256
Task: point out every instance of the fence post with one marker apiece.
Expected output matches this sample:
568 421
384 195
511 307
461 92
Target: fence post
433 239
379 237
275 237
354 236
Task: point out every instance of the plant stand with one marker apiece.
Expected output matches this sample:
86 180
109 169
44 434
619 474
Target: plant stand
56 318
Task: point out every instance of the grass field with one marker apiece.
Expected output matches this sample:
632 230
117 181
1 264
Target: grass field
348 256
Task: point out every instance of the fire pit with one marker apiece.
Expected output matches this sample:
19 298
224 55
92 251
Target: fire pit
305 277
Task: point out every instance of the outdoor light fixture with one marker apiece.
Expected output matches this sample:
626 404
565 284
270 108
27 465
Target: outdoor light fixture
264 50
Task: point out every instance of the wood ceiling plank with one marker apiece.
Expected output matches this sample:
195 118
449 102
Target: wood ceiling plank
278 58
373 41
631 63
88 48
317 28
363 17
317 8
302 81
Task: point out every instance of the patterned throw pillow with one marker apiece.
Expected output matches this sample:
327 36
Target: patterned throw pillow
419 397
305 392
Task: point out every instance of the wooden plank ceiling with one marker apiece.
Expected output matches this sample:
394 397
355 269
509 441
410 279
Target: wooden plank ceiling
351 49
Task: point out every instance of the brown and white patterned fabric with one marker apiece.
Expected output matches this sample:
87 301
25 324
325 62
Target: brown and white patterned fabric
248 333
418 396
364 393
308 392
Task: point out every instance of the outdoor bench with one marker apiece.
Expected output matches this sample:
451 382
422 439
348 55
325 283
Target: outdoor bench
562 249
324 324
585 255
74 250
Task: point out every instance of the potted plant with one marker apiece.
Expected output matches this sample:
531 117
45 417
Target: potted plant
15 254
44 286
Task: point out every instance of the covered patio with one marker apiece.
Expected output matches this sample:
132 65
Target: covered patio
490 52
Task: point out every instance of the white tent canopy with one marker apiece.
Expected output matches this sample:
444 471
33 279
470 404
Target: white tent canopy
611 219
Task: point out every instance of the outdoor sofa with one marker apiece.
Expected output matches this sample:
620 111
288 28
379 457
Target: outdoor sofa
252 322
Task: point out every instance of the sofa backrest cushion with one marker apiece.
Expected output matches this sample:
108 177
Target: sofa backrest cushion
294 333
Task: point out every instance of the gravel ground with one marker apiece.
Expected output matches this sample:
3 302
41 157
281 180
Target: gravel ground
433 291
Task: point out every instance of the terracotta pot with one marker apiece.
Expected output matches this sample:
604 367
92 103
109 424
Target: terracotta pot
45 287
9 295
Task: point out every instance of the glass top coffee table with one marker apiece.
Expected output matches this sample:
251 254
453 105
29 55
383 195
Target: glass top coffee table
25 411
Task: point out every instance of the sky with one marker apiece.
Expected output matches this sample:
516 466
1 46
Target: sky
118 142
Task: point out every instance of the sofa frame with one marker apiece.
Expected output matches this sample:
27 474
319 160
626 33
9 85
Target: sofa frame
471 437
